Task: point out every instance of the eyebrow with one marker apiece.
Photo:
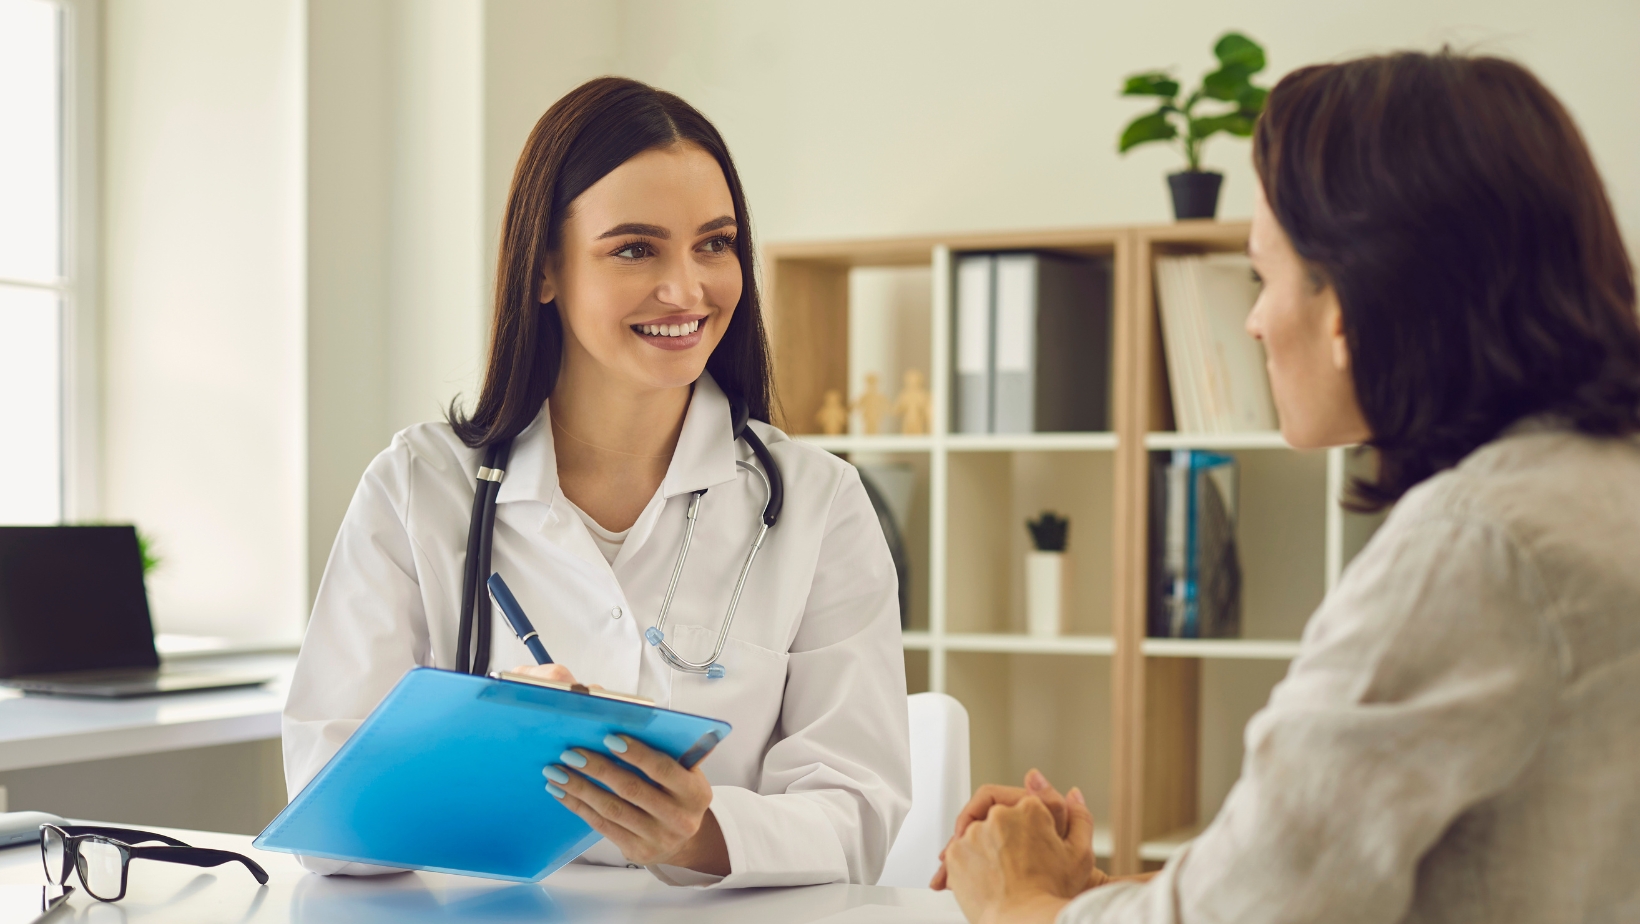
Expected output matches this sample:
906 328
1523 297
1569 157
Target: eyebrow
643 230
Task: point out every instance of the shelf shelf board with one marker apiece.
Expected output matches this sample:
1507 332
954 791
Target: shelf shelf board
1030 442
1161 849
1248 648
1254 440
886 442
1012 644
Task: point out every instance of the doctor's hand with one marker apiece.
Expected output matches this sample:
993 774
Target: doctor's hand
662 822
557 673
1058 807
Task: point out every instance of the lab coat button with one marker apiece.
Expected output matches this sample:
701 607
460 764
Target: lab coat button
616 612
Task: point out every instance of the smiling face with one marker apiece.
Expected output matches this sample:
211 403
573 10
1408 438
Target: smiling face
646 276
1299 320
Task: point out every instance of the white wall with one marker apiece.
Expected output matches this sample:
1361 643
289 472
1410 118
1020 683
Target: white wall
204 316
856 118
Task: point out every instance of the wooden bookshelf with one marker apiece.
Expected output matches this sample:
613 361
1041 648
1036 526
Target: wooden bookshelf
1149 728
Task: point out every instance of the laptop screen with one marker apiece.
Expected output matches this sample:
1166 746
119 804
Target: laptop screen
71 599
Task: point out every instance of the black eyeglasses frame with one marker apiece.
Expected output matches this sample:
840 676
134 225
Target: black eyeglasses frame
126 840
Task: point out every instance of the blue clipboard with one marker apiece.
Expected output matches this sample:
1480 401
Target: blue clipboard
445 775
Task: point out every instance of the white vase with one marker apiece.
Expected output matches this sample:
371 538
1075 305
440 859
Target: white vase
1045 593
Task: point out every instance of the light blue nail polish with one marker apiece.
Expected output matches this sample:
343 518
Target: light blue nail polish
556 792
573 759
614 743
556 775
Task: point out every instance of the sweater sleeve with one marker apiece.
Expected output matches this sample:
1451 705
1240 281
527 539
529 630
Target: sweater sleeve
1423 687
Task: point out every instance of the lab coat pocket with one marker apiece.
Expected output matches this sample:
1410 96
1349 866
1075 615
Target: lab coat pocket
747 696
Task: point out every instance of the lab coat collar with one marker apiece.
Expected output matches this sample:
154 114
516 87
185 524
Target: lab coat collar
704 457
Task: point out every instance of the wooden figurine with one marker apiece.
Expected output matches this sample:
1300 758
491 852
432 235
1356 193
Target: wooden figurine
872 405
833 416
915 404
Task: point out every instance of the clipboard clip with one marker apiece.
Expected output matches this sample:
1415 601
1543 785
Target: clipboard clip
570 687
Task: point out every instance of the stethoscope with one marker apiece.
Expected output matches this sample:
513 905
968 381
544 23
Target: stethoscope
475 599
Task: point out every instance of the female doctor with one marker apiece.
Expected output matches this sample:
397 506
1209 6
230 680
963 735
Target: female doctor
626 315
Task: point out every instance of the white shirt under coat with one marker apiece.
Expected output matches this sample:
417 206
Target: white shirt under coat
812 784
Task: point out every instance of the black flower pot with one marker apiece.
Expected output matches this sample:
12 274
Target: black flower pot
1195 193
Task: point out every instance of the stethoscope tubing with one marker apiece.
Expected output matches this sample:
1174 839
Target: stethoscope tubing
473 654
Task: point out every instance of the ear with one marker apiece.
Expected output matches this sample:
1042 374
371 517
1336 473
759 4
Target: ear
1335 333
549 282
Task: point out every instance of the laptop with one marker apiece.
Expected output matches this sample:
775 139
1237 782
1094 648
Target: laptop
74 618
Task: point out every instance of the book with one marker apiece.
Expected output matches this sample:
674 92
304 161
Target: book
1195 572
1215 368
1047 356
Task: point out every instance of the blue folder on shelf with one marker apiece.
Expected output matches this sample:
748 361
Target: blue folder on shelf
445 775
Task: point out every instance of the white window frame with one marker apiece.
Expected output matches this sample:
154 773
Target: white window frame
77 288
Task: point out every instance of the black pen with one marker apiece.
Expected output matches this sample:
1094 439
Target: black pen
515 617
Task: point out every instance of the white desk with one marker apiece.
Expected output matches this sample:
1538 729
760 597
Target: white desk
183 894
41 731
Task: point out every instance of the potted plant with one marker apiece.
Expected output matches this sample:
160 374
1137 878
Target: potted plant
1046 575
1196 191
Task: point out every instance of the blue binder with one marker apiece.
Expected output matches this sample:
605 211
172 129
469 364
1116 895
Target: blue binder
445 775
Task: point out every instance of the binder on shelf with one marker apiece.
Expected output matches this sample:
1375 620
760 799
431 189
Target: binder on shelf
1195 572
1215 370
971 390
1035 329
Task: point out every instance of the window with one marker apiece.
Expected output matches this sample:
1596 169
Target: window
34 291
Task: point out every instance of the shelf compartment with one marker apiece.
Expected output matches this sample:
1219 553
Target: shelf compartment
990 496
1244 648
1022 709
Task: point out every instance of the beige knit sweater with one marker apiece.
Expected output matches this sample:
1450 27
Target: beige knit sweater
1459 737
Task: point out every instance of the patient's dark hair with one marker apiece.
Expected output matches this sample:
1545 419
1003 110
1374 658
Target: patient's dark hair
595 128
1452 204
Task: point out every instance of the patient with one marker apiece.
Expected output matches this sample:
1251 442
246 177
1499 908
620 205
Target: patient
1443 280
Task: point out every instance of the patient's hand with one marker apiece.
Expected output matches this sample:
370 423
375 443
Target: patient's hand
1058 807
1015 866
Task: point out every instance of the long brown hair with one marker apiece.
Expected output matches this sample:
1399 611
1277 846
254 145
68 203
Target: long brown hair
1453 206
593 129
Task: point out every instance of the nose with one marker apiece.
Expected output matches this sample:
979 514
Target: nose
1255 320
681 285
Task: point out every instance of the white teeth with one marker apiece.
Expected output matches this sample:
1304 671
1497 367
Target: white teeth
670 330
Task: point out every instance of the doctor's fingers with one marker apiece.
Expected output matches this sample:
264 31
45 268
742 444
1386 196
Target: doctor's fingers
673 809
555 673
629 842
587 799
689 786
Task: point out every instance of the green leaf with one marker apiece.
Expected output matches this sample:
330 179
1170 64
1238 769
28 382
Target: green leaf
1153 83
1227 83
1235 48
1147 128
1252 99
1236 123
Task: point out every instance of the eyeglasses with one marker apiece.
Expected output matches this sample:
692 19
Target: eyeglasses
102 856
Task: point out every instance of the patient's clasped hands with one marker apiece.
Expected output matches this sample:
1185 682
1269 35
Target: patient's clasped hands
1020 854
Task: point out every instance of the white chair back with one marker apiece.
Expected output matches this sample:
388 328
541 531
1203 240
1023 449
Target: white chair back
939 789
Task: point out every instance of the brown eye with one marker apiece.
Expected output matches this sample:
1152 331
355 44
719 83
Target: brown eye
720 244
636 250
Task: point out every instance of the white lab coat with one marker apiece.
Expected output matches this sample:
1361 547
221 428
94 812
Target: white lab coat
815 779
